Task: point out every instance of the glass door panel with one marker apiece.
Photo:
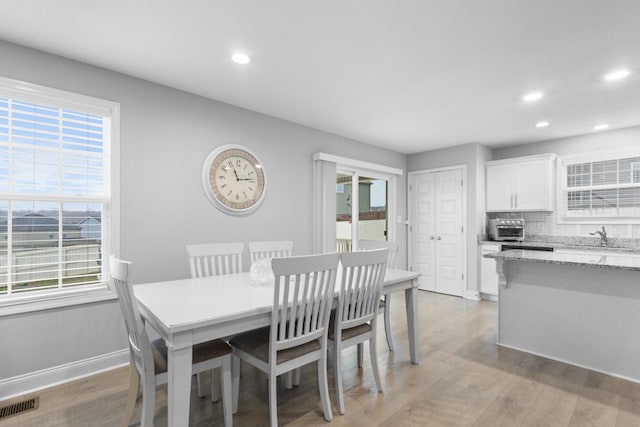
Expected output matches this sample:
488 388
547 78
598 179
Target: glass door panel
372 224
369 204
344 227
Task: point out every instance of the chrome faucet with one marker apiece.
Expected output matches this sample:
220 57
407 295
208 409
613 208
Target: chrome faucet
603 236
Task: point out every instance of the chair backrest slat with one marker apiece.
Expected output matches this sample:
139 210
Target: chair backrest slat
212 259
303 291
362 277
392 245
139 343
271 249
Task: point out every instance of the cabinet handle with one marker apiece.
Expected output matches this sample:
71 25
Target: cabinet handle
511 202
439 238
431 237
516 201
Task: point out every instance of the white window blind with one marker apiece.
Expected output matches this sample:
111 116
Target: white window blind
607 188
54 196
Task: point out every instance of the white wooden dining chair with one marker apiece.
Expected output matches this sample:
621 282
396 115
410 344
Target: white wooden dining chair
275 249
354 320
270 249
385 302
148 360
303 293
213 259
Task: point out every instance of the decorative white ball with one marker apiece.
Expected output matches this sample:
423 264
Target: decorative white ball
261 271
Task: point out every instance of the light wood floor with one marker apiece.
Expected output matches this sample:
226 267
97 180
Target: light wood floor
463 379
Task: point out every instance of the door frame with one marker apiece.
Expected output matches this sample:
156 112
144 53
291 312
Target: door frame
410 200
355 202
325 167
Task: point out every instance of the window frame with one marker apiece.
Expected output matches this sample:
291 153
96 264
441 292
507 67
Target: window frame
562 188
49 299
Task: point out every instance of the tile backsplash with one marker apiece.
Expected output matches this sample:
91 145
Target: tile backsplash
544 224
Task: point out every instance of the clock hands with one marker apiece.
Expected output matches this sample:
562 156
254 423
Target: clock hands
241 179
235 173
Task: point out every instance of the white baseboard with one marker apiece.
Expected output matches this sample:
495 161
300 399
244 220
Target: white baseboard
34 381
472 295
489 297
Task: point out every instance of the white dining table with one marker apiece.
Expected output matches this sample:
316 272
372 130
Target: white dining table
190 311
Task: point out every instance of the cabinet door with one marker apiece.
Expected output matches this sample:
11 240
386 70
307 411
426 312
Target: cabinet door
500 188
533 186
488 273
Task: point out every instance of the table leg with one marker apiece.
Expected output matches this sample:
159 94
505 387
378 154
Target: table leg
179 386
411 302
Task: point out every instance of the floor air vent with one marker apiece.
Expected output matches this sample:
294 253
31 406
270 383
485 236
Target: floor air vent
18 408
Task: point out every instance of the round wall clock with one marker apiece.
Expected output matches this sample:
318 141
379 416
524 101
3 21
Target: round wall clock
234 179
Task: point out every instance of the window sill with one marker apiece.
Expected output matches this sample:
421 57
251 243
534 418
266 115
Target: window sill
49 302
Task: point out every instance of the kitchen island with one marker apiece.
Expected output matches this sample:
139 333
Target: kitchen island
582 309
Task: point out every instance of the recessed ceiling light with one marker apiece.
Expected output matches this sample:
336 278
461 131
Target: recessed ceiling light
617 74
600 127
542 124
533 96
240 58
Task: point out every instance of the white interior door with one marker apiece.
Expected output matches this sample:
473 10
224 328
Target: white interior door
436 234
449 232
423 229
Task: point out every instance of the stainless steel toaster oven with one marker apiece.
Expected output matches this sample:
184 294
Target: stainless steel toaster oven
503 229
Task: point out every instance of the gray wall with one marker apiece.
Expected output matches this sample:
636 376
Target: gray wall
165 136
597 141
472 155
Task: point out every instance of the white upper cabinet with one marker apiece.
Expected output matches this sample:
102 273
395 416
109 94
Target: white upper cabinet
521 184
499 187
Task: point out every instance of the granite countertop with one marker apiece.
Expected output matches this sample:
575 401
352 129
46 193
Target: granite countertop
623 261
567 245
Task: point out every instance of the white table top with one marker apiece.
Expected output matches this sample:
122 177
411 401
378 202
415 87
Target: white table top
180 305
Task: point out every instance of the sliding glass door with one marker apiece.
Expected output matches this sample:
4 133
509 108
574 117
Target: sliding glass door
362 209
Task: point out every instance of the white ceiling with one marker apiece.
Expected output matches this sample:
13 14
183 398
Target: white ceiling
409 75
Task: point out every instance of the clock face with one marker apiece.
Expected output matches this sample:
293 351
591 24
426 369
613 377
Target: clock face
234 179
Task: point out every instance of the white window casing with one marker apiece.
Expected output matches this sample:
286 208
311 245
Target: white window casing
59 201
601 187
